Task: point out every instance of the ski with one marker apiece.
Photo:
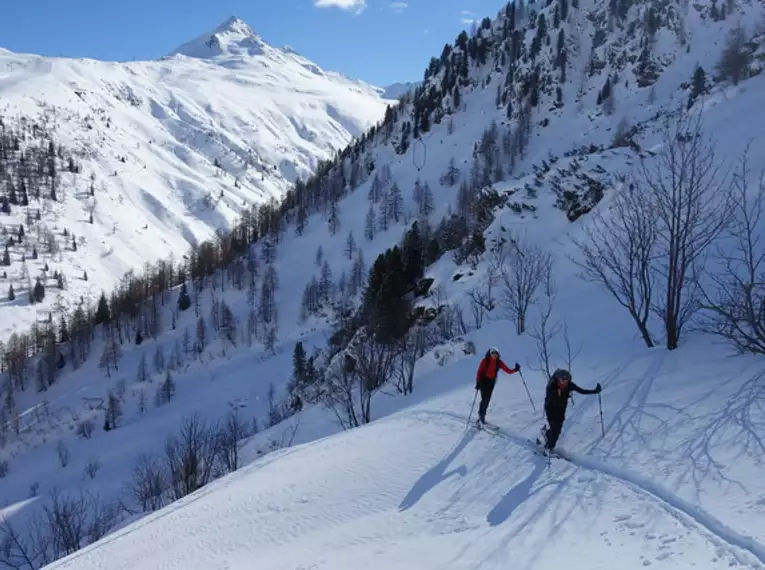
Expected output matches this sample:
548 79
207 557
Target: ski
487 427
536 445
544 451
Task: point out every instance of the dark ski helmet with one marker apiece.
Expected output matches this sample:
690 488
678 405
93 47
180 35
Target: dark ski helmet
562 374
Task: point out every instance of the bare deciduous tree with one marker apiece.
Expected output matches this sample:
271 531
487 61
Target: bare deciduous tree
571 353
482 296
528 267
103 517
546 330
374 364
231 437
190 457
734 307
411 348
617 252
67 519
148 485
337 394
30 549
691 204
355 375
111 355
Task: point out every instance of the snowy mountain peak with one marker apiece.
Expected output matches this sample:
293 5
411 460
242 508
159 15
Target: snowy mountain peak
236 26
232 38
173 150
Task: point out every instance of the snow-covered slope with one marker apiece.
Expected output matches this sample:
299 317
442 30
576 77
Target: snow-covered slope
173 149
417 490
674 483
396 90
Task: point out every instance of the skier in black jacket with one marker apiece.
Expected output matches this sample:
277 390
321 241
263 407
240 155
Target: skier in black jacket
556 399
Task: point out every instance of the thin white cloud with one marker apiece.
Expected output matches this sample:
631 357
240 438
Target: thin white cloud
398 7
350 5
467 17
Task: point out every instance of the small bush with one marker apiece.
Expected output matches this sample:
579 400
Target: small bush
92 467
85 429
63 453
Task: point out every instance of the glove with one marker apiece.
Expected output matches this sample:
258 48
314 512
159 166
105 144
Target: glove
598 389
476 384
517 367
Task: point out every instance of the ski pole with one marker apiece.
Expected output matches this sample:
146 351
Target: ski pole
527 391
470 415
602 426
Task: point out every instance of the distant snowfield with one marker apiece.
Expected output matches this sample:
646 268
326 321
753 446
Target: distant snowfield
267 115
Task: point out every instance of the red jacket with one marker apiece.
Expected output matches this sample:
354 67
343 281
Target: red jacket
488 369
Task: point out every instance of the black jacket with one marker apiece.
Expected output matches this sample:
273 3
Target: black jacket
557 397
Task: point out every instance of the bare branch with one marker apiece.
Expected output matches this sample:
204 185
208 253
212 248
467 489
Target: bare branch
337 392
231 437
571 354
528 269
545 330
618 250
67 519
482 296
411 348
23 550
149 483
190 458
691 202
735 307
374 364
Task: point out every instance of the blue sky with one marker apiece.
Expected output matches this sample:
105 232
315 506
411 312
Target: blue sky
380 41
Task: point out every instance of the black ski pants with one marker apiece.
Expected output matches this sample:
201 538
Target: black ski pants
486 386
555 418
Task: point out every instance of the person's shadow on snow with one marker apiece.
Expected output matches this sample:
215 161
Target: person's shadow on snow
437 474
516 496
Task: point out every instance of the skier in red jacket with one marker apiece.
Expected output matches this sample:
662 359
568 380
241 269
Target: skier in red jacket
486 378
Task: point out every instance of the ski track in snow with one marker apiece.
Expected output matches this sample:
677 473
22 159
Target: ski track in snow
718 532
